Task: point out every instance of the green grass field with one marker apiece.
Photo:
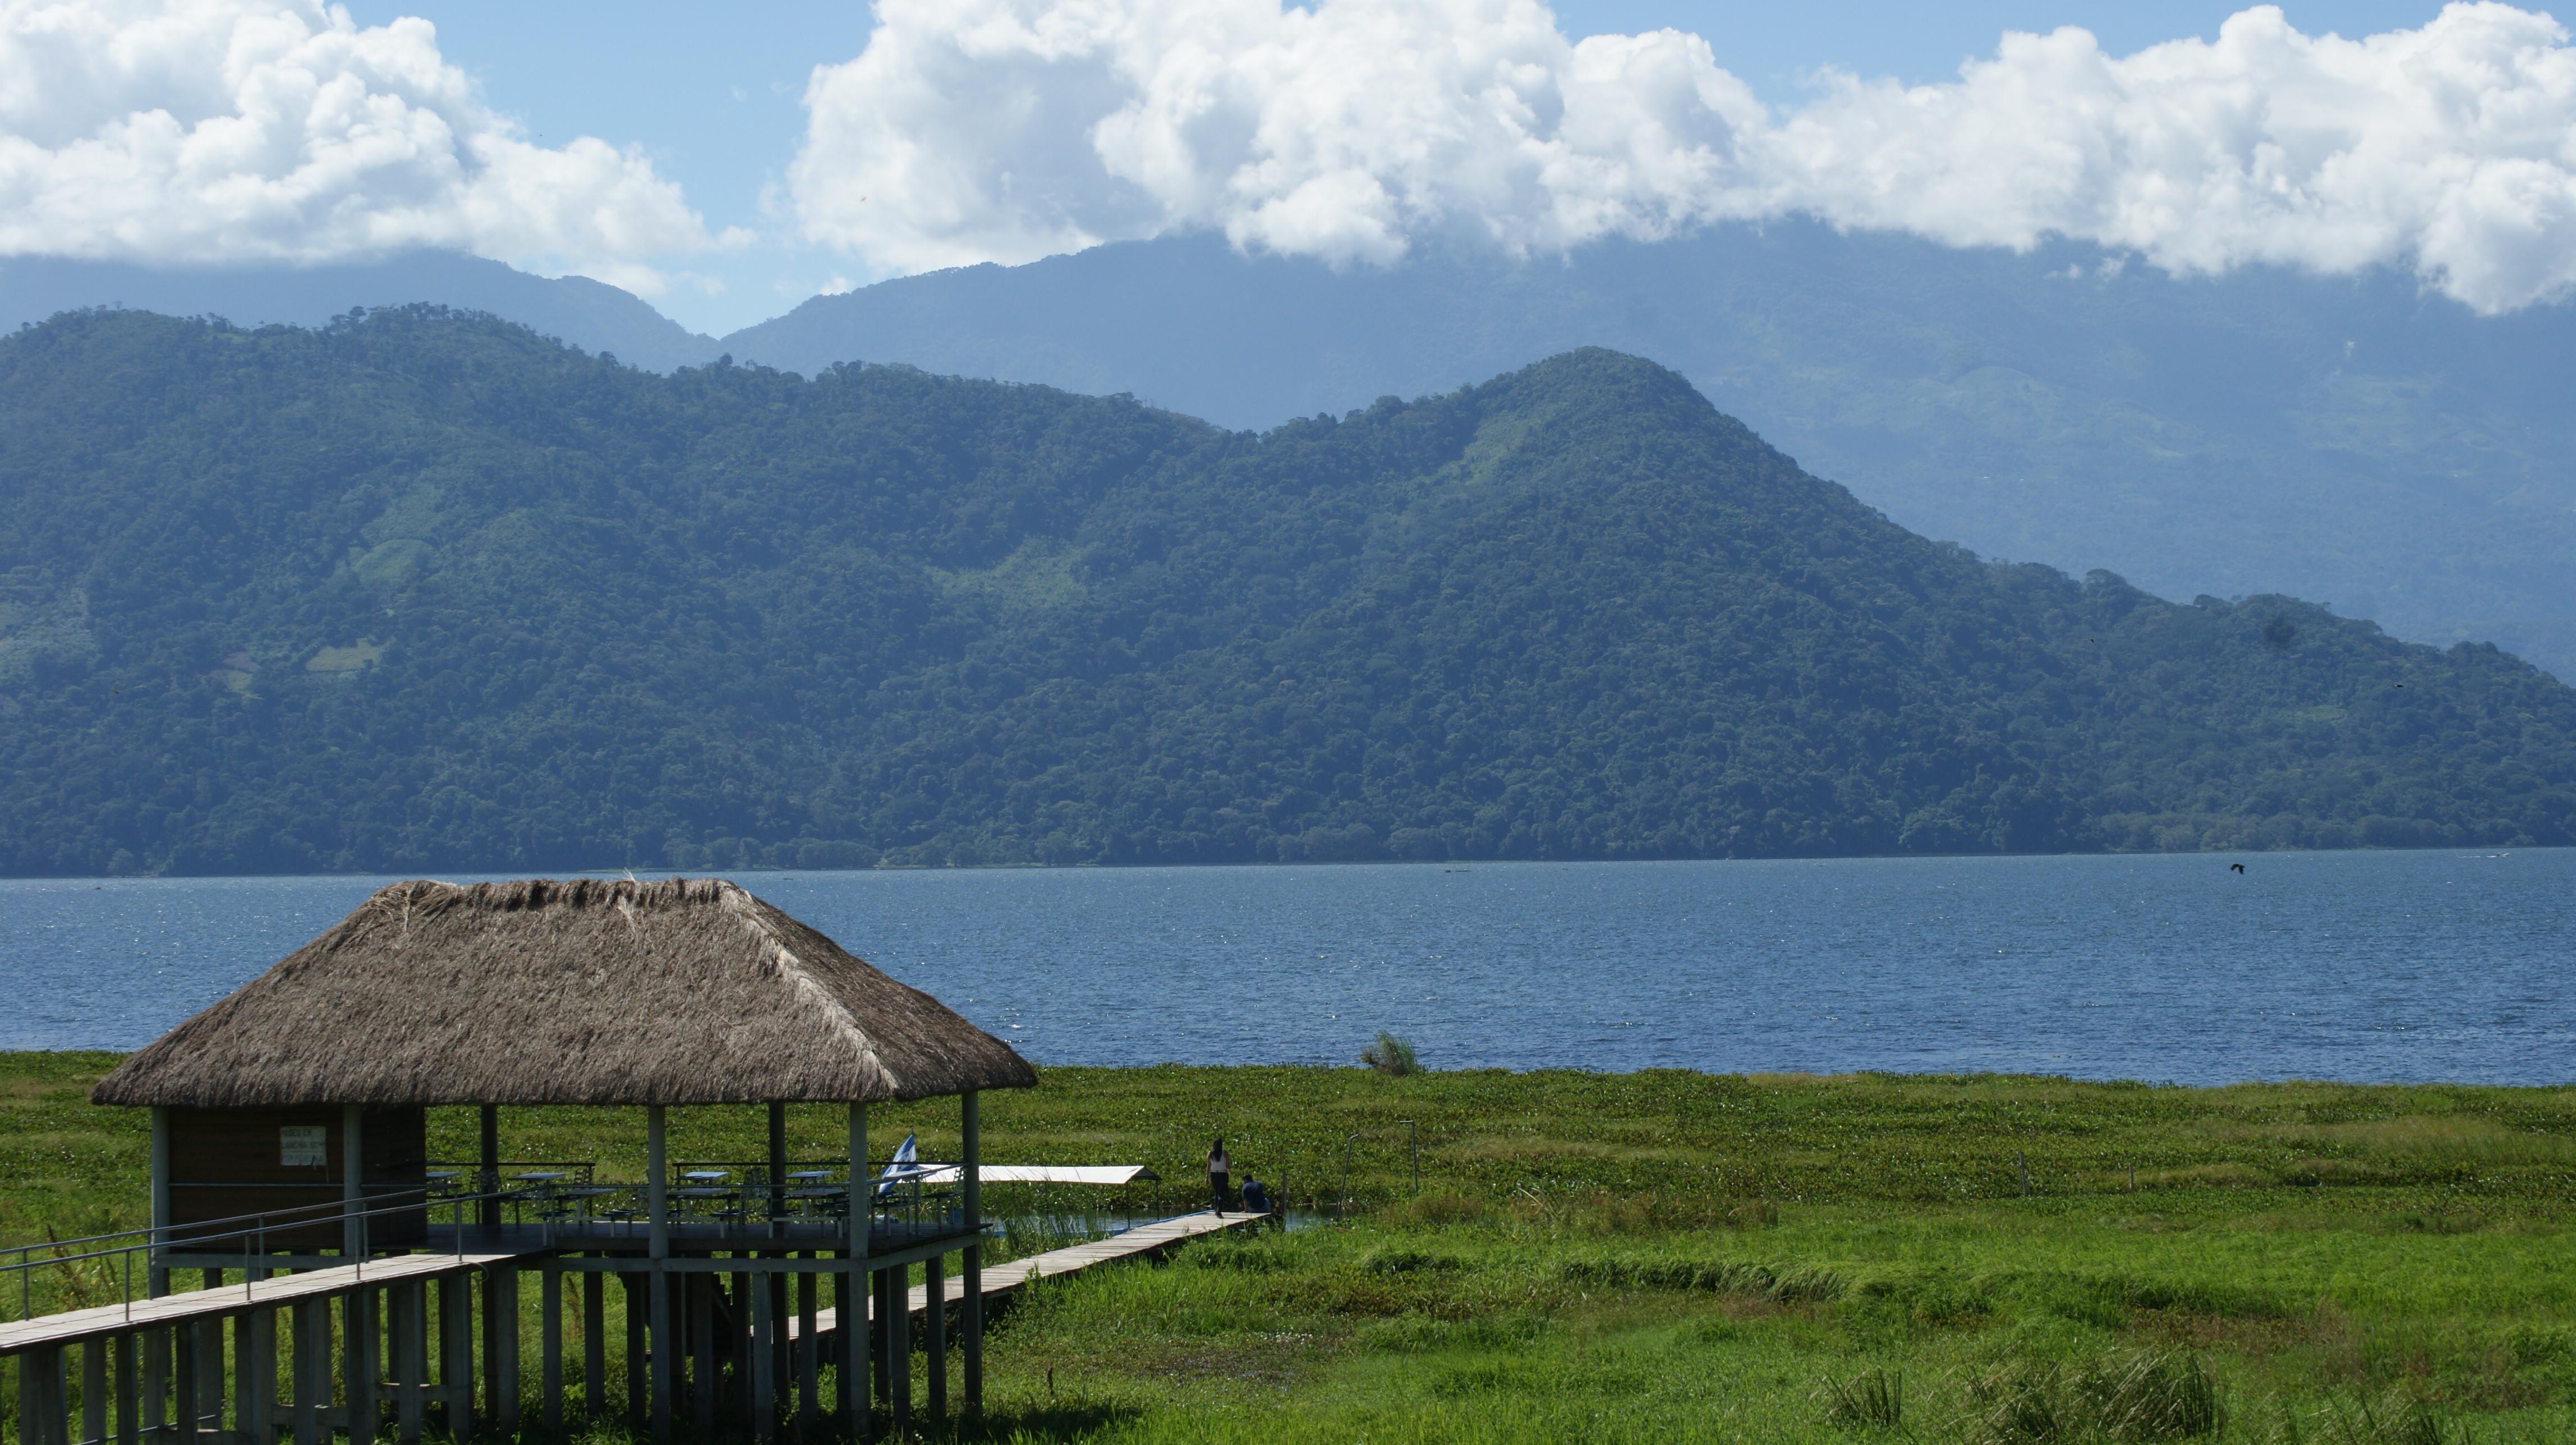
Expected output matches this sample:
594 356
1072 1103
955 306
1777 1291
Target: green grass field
1679 1257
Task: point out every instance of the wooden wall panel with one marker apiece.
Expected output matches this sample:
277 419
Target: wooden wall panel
229 1162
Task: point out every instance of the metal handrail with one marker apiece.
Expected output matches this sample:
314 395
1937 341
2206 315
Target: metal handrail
160 1238
331 1209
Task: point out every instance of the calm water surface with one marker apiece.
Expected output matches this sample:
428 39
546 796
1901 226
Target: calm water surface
2356 966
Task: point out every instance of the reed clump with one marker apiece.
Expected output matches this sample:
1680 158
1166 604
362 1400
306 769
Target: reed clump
1872 1400
1390 1055
2141 1398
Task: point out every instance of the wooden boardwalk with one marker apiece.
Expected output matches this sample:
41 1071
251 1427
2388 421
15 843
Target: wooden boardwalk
1136 1243
46 1331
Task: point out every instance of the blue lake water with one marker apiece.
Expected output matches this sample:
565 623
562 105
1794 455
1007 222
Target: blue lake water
2354 966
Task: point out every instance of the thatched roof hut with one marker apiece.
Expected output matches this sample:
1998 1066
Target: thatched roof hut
690 991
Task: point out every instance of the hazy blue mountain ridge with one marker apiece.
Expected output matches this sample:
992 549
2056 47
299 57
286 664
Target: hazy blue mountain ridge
426 591
589 314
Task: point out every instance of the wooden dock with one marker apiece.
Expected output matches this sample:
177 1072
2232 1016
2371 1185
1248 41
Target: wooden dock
1136 1243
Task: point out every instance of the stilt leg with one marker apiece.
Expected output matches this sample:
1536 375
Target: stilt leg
899 1351
971 1287
594 1341
501 1328
362 1332
128 1401
308 1320
702 1341
741 1341
664 1350
94 1392
456 1342
550 1346
764 1363
408 1307
934 1324
808 1349
156 1379
255 1387
184 1382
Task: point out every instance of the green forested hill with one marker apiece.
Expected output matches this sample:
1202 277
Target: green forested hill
422 591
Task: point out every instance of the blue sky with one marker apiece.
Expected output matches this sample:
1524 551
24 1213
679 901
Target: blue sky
713 94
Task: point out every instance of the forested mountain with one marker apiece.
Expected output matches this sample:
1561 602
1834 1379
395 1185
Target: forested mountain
2351 439
424 591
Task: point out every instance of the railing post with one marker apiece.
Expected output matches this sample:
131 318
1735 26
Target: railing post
971 1185
353 1193
657 1214
157 1274
550 1372
855 1294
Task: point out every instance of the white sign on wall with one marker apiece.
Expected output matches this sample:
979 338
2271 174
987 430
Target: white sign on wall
303 1145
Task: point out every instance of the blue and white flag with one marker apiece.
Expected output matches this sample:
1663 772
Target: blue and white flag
904 1165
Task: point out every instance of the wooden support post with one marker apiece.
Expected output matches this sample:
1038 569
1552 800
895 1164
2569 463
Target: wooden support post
594 1342
156 1375
240 1376
898 1350
40 1371
128 1406
773 1318
93 1392
363 1312
501 1328
255 1388
777 1166
183 1339
657 1209
738 1342
456 1353
934 1324
702 1340
310 1319
764 1360
353 1181
880 1358
970 1191
209 1398
774 1299
550 1371
407 1305
487 1179
807 1375
854 1325
633 1288
157 1274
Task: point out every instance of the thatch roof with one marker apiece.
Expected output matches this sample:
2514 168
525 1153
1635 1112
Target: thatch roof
690 991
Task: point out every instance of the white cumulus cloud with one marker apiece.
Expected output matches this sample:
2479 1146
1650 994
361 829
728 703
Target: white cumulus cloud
278 130
971 130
